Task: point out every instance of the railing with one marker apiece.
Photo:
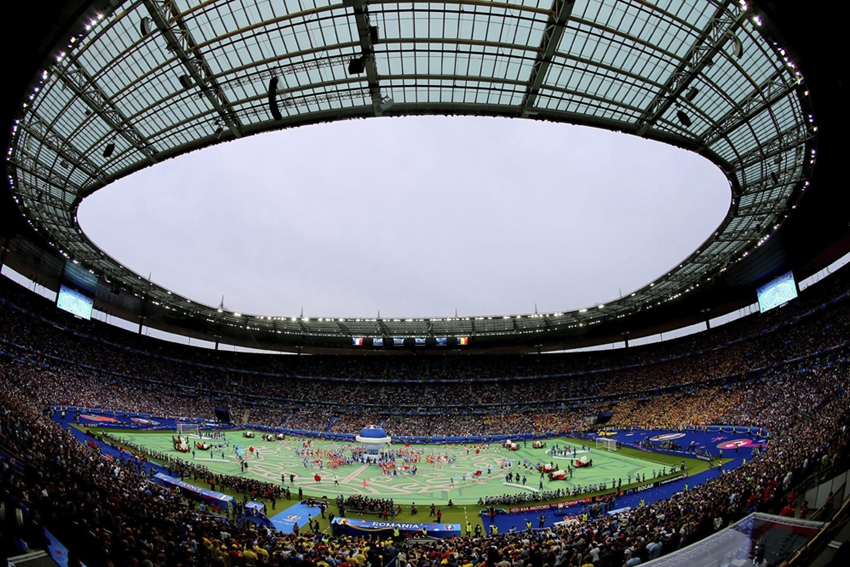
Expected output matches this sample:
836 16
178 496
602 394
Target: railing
822 539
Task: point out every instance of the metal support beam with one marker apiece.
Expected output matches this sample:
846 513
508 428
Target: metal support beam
41 130
733 237
264 75
762 208
84 86
28 164
345 329
784 178
367 48
766 95
167 18
794 137
721 26
552 33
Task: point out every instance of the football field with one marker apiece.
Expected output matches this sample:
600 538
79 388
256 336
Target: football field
461 473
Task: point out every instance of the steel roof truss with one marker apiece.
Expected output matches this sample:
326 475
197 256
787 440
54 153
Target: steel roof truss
361 17
552 34
769 92
718 31
166 16
39 129
79 81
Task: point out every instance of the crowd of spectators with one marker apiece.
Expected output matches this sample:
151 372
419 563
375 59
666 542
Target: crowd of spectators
786 372
111 515
93 364
712 381
358 503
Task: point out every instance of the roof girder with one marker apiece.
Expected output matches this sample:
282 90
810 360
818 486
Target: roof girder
168 20
718 31
84 86
552 34
367 48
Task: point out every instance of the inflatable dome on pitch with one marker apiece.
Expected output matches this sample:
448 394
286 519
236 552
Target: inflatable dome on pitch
373 438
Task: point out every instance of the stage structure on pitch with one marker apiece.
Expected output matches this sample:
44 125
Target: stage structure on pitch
373 438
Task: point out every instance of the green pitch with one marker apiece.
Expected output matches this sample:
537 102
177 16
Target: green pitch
455 480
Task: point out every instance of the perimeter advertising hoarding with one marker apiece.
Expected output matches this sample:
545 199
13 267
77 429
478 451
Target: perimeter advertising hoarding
210 497
549 506
352 526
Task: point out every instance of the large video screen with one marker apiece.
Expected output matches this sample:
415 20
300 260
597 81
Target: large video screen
778 292
74 302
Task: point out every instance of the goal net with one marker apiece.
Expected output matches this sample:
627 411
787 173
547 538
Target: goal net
188 430
606 443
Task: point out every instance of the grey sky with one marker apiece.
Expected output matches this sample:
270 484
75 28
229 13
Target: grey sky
412 216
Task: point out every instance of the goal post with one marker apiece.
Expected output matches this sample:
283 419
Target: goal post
188 430
606 443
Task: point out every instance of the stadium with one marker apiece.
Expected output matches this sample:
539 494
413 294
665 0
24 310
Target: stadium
611 458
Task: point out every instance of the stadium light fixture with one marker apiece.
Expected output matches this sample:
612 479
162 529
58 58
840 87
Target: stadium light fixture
109 149
683 118
145 26
357 65
273 108
738 49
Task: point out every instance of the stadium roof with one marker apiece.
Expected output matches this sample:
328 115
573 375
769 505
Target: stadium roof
129 84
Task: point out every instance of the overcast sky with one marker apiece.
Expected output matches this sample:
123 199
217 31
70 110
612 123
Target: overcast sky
412 217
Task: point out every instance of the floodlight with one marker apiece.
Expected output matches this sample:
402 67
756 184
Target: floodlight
109 150
738 49
683 118
691 94
273 99
357 65
145 26
185 81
